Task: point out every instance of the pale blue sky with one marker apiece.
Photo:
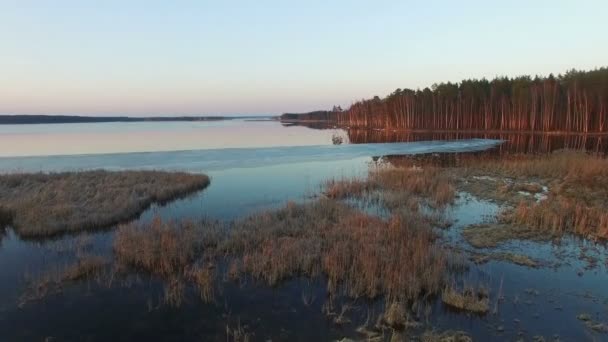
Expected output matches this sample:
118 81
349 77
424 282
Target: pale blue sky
255 57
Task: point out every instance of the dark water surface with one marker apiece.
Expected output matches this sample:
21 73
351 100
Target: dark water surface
536 301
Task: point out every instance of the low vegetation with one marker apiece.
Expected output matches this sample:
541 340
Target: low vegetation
397 187
470 300
45 204
575 202
360 255
363 255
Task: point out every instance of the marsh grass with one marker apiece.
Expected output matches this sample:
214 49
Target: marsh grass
361 255
356 254
170 251
397 188
576 201
46 204
469 299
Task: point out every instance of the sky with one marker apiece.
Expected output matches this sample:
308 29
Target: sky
136 57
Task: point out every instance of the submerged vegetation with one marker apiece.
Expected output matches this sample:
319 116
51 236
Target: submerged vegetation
44 204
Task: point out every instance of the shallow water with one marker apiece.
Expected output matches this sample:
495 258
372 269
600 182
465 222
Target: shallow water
289 165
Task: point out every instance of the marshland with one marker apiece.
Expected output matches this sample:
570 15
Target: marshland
455 238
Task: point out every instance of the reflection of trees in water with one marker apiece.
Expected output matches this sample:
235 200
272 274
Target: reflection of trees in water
514 143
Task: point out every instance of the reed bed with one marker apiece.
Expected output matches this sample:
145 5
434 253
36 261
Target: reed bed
358 255
46 204
397 186
578 188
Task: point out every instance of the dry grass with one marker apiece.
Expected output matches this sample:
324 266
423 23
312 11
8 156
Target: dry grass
48 204
170 251
578 188
559 214
470 300
160 248
360 254
345 188
397 187
429 183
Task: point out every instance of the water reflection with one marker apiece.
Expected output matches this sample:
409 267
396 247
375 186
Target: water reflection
99 138
514 142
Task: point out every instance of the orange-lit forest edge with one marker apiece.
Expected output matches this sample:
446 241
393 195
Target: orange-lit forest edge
575 103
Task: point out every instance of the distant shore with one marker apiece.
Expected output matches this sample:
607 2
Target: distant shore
59 119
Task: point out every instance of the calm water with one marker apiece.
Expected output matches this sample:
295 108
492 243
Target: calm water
256 165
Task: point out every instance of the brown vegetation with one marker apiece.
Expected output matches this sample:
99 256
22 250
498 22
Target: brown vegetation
397 187
358 254
471 300
575 202
363 255
161 248
170 251
45 204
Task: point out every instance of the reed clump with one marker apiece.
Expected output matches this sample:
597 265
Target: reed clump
45 204
360 254
470 300
559 215
172 251
397 186
162 248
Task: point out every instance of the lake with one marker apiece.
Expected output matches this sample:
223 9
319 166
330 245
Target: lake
261 165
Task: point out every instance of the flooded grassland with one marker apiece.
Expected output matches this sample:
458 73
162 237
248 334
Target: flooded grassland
480 248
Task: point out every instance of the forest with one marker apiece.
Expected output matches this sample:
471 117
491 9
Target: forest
575 102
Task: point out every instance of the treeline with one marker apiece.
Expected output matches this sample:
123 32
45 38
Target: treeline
574 102
55 119
325 115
